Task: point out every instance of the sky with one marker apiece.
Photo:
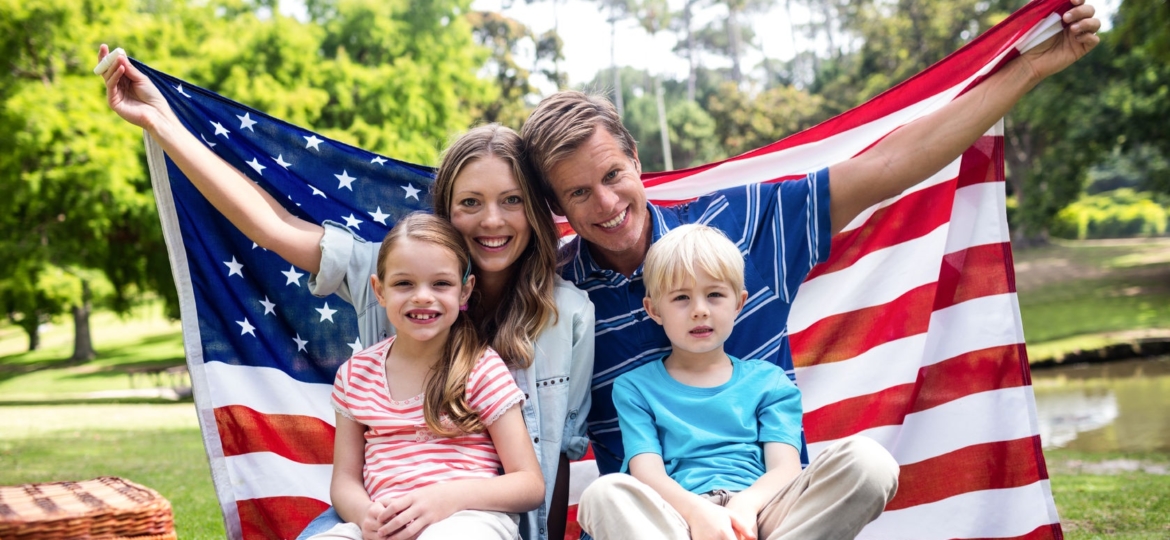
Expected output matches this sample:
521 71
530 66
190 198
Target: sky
586 35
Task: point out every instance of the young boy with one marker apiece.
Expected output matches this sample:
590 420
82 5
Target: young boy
711 441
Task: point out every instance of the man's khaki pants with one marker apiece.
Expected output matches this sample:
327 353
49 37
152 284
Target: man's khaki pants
845 488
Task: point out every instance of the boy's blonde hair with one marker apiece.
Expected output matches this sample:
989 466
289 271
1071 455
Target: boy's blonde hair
679 254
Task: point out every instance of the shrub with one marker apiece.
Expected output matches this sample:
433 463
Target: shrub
1120 213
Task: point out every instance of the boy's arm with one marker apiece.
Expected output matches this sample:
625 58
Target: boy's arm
705 519
921 148
783 464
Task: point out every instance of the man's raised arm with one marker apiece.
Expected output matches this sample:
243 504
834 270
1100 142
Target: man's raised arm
921 148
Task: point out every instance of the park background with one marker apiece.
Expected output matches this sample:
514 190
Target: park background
89 302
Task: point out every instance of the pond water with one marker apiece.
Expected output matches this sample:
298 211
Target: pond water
1120 406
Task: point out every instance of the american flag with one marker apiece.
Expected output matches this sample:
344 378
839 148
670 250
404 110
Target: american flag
909 334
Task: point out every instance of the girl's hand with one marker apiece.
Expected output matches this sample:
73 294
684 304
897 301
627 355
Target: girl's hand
133 96
408 515
372 521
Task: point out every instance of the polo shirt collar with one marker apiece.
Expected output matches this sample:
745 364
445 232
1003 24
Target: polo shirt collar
582 264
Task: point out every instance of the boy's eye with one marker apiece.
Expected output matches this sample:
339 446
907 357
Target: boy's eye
715 295
401 284
680 297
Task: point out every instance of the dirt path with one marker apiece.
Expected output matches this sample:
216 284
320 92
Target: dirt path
1092 259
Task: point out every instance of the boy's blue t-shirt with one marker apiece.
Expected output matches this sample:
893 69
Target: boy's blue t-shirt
709 438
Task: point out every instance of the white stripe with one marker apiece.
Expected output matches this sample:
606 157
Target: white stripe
995 513
975 419
884 366
979 323
264 474
877 278
268 391
978 217
581 474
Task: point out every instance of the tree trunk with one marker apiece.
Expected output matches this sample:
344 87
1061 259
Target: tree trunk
691 56
617 73
31 324
666 158
82 341
734 37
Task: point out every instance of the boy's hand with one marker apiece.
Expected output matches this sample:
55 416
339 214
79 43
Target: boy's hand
408 515
709 521
744 518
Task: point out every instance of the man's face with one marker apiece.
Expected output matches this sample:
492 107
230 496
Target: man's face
599 190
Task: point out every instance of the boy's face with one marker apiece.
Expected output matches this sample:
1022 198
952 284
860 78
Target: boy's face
697 314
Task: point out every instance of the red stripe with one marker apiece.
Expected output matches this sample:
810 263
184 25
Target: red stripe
844 336
979 371
996 465
982 162
303 439
974 273
911 217
277 517
1043 532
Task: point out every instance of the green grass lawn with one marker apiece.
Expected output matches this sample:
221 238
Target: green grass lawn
1128 505
1081 295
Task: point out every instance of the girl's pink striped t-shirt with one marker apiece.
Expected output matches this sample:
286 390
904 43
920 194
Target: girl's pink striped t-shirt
402 454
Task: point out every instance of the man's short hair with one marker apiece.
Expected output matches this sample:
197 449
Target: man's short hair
563 122
682 252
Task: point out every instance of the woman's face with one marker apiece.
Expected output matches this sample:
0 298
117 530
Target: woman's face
487 207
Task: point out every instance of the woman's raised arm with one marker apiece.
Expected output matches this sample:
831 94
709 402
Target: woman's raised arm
251 209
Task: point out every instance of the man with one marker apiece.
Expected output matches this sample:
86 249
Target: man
587 163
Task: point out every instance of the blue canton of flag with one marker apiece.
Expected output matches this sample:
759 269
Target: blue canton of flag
265 350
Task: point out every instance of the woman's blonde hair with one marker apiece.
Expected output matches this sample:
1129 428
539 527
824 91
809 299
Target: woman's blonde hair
445 405
528 305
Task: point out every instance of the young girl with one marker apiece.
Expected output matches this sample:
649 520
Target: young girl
427 417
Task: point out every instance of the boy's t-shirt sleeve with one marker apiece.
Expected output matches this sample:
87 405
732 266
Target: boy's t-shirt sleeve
636 419
491 390
340 400
780 411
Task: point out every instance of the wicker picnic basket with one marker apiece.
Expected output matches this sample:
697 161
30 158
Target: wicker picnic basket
106 508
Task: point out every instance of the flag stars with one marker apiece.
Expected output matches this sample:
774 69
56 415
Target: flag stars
246 327
255 164
246 122
379 216
356 345
279 159
411 191
351 221
181 91
294 277
234 268
269 307
326 313
346 180
312 142
300 343
220 130
207 142
379 160
318 192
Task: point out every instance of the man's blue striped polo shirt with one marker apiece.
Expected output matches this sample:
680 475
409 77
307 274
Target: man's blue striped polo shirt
782 229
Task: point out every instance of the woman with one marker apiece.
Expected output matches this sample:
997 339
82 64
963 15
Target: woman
540 324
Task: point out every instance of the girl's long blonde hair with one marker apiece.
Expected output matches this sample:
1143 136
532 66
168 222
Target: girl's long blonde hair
513 324
445 405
